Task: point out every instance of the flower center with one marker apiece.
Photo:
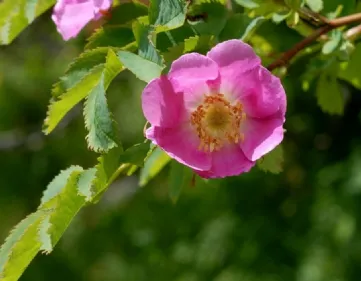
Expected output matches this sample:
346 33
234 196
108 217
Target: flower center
217 121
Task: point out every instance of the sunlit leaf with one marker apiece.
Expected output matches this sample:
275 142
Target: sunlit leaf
157 160
15 15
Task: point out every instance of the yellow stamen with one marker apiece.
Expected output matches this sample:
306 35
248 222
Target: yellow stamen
217 121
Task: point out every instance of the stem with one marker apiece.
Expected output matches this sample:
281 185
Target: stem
330 24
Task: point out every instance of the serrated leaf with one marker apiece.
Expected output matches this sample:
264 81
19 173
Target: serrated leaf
15 15
272 162
63 209
20 247
329 95
85 183
168 14
240 26
135 154
58 108
179 177
350 71
157 160
145 36
106 168
315 5
57 184
142 68
110 37
102 134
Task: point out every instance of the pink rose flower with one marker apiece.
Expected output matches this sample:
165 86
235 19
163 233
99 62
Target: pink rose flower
70 16
218 113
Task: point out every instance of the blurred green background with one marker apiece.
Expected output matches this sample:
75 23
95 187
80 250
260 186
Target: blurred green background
303 224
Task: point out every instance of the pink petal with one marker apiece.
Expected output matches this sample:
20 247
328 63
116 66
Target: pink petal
181 144
261 136
229 161
194 66
161 106
234 56
265 99
71 18
260 92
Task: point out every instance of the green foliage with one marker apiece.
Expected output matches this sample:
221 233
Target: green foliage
350 71
146 40
110 36
167 14
333 42
102 134
213 17
16 15
155 162
240 26
315 5
329 95
179 177
273 161
92 83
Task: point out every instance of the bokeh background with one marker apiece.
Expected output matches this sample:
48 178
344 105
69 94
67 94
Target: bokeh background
302 224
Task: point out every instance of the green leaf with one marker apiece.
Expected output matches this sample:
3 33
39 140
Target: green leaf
350 71
85 183
240 26
144 69
110 37
168 14
215 18
15 15
126 12
180 176
102 134
329 95
250 4
81 77
315 5
56 185
107 169
333 42
81 84
135 154
63 209
157 160
145 36
272 162
20 247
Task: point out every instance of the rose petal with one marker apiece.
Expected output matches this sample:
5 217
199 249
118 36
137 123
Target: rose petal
193 66
261 136
71 18
190 75
181 144
161 106
234 56
266 99
229 161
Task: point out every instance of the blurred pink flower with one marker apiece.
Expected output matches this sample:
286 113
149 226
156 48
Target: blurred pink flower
218 113
70 16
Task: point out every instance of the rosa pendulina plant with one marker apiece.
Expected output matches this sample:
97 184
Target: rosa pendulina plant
217 113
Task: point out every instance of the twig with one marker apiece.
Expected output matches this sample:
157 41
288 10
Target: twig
331 24
353 32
